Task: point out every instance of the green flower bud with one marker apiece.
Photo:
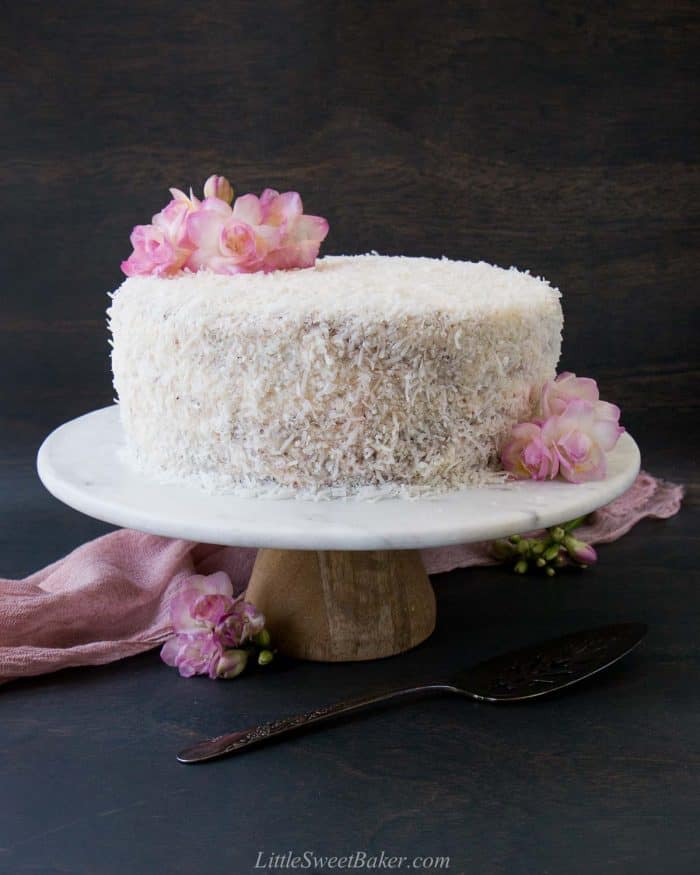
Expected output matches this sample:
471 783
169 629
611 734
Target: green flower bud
262 639
549 571
537 548
514 539
557 533
540 562
265 657
502 549
551 552
520 567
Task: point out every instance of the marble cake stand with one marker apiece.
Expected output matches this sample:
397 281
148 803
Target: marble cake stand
337 580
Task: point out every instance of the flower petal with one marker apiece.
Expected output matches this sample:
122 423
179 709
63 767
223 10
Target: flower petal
247 209
284 208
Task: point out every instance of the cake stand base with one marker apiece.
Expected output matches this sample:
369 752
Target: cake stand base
342 605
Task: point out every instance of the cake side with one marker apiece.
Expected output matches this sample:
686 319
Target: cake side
365 375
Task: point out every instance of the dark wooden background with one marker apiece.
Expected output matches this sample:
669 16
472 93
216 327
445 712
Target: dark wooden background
556 136
559 137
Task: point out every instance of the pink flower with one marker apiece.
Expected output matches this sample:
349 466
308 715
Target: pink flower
240 624
280 209
172 221
571 438
300 235
208 621
223 242
527 455
564 388
162 248
580 439
192 654
567 387
195 606
263 233
153 253
218 186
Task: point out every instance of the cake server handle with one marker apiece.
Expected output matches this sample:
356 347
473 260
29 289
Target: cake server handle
233 742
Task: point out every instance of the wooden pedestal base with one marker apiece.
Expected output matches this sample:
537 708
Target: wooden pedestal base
333 606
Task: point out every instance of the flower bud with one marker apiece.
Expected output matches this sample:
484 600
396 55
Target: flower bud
557 533
551 552
265 657
549 571
520 567
541 562
537 548
219 187
580 551
502 549
232 663
262 639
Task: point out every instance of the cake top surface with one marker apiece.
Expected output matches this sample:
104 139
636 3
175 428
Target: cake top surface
373 284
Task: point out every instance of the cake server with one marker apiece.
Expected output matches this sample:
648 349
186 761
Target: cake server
519 676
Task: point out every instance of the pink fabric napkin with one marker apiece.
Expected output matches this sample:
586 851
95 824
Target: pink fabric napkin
110 598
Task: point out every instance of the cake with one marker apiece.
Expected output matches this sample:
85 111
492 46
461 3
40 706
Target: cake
361 375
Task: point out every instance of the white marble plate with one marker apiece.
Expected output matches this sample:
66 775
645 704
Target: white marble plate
80 464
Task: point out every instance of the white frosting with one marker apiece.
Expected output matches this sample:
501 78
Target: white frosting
364 375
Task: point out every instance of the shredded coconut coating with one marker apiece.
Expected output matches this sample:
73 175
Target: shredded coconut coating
365 375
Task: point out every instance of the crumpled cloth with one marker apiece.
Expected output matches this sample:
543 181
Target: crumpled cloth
110 598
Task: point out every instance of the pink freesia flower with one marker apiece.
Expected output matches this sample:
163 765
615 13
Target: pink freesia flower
162 248
564 388
281 209
172 221
526 455
153 253
210 625
192 608
239 624
192 654
224 242
567 387
263 233
300 235
580 439
574 432
218 186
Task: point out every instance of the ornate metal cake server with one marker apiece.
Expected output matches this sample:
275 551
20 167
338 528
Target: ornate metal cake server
514 677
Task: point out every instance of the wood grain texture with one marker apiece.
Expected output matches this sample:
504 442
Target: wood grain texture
339 605
560 137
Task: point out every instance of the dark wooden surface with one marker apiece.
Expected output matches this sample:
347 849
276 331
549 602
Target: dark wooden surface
603 779
561 137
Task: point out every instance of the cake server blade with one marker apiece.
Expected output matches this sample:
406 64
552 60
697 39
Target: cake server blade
529 673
